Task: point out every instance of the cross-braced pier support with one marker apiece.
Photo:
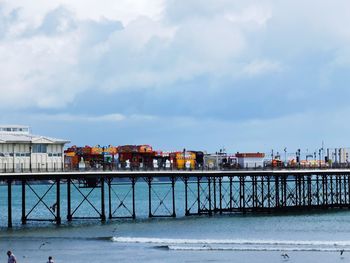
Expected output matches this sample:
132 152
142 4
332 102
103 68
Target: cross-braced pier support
161 197
121 198
85 190
168 194
52 210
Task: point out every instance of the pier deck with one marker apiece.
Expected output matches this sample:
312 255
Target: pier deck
203 192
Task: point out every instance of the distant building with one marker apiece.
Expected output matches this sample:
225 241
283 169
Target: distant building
22 151
250 160
220 161
338 156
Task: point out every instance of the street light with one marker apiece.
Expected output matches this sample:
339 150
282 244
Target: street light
319 156
285 155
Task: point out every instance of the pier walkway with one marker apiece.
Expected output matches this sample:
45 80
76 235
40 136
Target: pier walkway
197 192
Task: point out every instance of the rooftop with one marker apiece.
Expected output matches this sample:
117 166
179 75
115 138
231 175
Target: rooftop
21 134
14 129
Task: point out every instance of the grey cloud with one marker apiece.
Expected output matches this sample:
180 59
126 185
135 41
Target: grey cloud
7 19
206 64
57 21
177 11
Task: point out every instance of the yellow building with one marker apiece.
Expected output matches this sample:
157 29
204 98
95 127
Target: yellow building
185 160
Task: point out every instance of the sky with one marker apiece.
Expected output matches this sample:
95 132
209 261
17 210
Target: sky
203 75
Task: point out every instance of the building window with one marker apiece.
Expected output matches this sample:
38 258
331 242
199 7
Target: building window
39 148
55 154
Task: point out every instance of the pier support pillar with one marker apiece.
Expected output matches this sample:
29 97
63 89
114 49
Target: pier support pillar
103 212
254 190
24 218
309 191
209 197
220 193
69 203
242 201
345 190
269 192
296 190
58 201
277 192
186 196
173 195
109 183
9 203
348 178
133 181
199 194
214 195
231 194
331 191
318 190
149 181
262 192
300 187
285 195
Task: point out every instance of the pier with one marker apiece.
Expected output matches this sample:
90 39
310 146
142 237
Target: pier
201 193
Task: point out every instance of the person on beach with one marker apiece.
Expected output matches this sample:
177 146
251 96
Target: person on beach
50 260
12 258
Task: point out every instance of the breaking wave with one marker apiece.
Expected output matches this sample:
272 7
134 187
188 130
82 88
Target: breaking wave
147 240
238 244
209 248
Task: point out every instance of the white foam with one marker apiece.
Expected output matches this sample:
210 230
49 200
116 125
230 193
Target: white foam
252 248
175 241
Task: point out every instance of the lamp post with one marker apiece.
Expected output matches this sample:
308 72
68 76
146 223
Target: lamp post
30 157
13 157
285 156
319 156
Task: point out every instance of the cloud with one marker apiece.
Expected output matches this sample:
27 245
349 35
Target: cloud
110 118
52 57
121 10
176 132
173 58
261 67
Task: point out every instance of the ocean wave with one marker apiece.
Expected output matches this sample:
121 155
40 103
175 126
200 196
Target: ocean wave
175 241
252 248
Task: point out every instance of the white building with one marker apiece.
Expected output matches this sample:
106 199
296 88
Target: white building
250 160
22 151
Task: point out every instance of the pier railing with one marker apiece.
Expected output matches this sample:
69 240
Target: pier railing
4 169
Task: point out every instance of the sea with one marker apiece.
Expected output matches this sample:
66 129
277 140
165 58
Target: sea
322 236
